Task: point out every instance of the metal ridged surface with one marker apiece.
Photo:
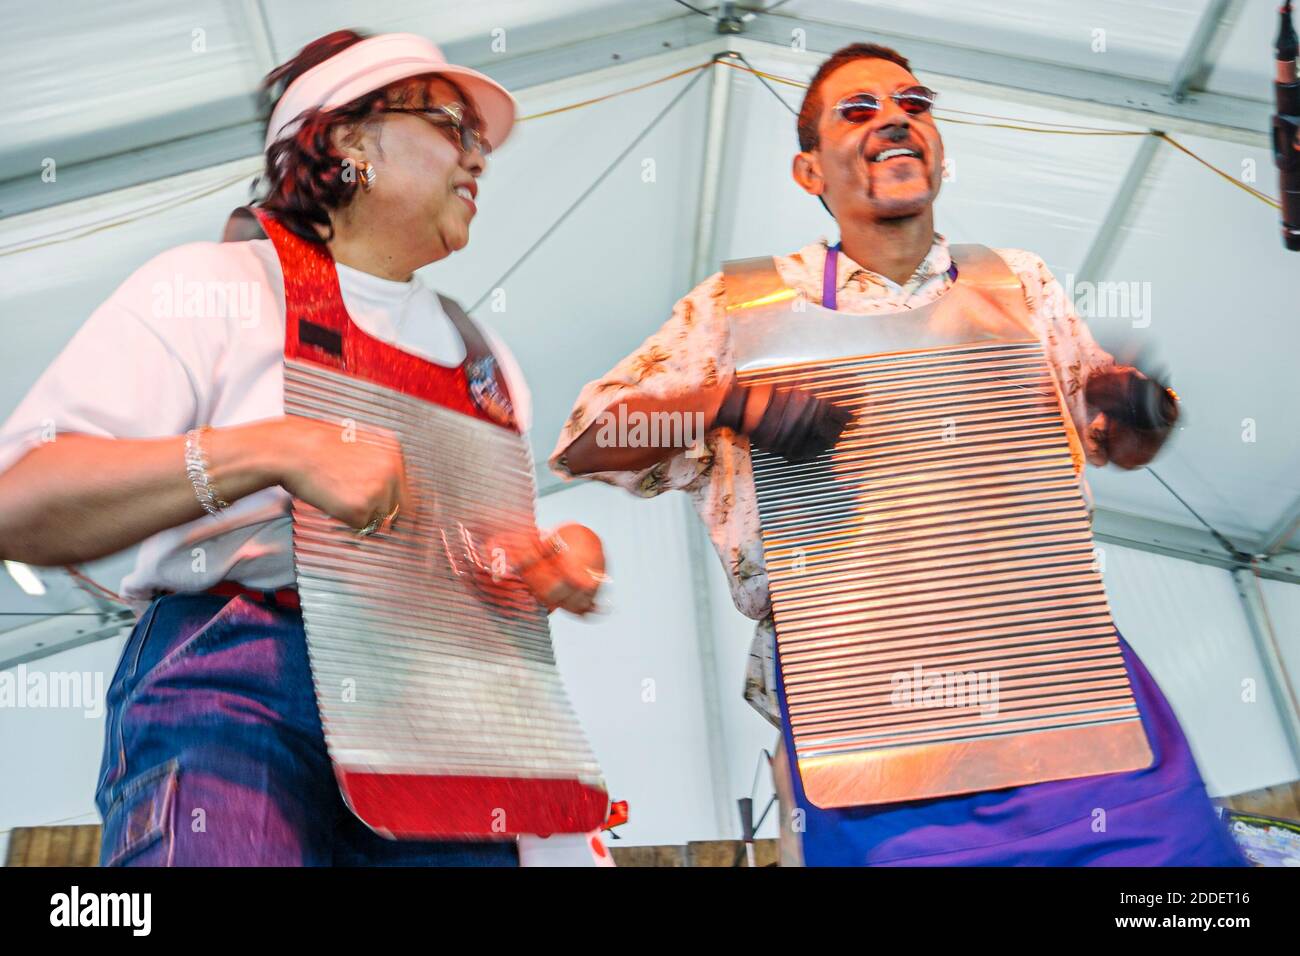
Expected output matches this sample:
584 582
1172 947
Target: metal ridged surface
423 664
945 531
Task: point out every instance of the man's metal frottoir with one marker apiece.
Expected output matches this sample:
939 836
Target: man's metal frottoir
940 621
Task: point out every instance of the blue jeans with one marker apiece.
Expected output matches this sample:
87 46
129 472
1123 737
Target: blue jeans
214 753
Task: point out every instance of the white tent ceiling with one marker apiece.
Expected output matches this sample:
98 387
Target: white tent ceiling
154 141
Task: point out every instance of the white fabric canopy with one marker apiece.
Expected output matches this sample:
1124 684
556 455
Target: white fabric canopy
1219 295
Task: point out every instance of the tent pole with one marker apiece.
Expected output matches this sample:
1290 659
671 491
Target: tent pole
697 542
1261 631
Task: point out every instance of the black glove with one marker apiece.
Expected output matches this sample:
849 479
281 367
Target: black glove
1130 398
796 425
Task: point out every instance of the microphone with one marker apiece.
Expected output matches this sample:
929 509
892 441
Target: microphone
1286 127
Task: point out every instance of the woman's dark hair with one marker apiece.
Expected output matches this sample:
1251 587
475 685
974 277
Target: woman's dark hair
306 177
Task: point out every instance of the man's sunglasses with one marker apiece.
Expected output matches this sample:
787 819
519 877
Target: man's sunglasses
861 107
451 117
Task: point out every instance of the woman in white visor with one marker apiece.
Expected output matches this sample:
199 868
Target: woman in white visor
169 433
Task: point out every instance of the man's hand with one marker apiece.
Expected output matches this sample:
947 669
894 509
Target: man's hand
1137 415
792 423
1126 447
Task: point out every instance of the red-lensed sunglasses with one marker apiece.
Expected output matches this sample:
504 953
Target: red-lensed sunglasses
861 107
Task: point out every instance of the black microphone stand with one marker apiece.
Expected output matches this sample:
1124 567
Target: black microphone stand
1286 128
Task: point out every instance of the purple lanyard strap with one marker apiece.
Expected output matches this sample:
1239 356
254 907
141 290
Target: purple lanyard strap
828 276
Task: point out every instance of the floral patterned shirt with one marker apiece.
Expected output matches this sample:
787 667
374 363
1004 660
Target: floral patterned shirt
693 348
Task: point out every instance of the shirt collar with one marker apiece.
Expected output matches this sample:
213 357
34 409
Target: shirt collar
936 262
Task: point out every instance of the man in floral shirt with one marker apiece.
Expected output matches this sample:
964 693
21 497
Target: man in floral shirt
871 152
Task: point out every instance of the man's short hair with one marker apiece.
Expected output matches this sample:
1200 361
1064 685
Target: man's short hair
811 110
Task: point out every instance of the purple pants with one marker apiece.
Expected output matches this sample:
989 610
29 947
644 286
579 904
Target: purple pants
1160 816
214 753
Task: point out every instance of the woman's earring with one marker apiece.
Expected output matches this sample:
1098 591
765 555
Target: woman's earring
368 174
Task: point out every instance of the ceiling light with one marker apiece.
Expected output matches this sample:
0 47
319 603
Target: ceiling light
25 577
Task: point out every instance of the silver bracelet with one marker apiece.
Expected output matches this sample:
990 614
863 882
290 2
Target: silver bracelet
196 466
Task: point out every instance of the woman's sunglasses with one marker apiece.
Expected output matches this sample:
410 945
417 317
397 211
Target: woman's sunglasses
861 107
451 116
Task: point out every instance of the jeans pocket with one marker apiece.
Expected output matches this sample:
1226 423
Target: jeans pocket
141 818
163 633
204 637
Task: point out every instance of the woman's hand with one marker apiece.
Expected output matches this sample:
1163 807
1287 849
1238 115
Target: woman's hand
563 568
355 475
